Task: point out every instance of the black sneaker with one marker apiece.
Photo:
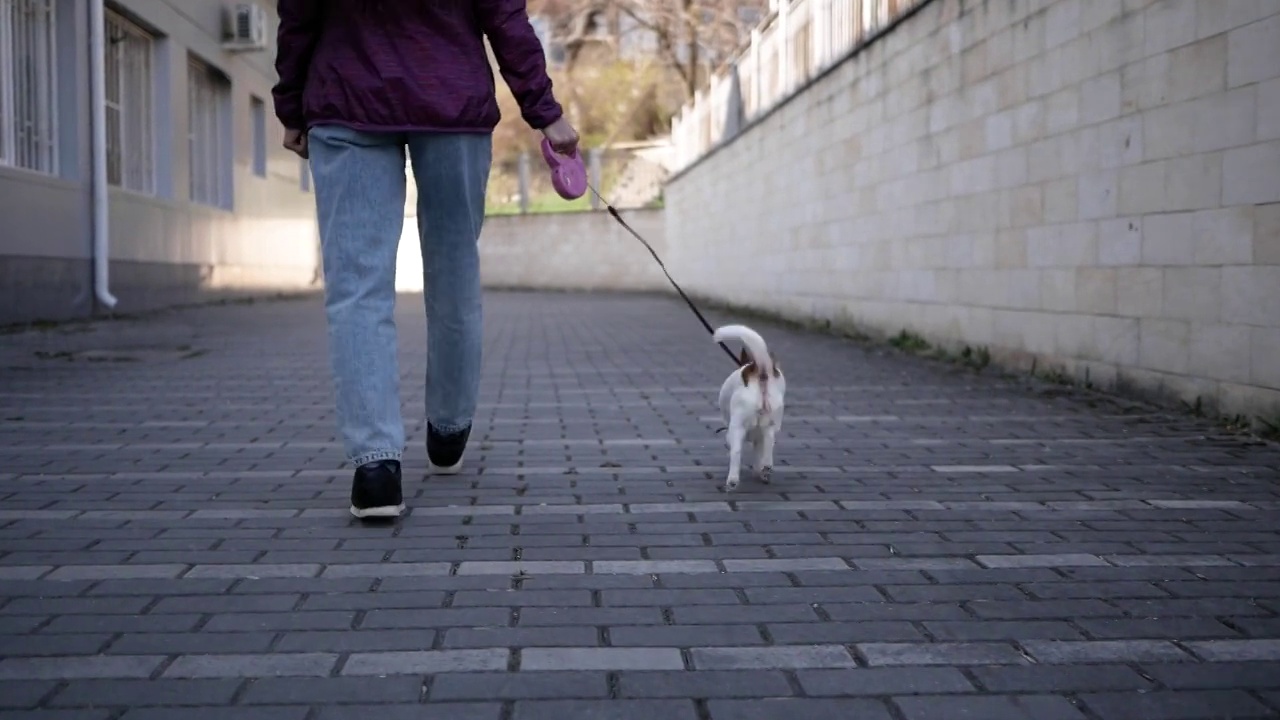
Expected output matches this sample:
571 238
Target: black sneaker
375 490
445 451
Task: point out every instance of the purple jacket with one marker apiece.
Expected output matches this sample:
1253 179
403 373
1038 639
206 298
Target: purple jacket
407 65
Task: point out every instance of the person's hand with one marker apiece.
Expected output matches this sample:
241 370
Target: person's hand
296 141
562 136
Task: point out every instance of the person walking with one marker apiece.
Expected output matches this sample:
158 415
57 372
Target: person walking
360 83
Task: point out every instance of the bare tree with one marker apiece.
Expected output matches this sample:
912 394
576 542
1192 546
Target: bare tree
690 37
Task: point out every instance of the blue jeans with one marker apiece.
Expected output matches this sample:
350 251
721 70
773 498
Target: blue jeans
360 188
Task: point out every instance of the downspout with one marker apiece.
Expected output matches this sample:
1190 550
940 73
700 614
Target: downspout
98 144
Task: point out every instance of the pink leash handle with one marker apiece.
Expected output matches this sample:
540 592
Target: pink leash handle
568 174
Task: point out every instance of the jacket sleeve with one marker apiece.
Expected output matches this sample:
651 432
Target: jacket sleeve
520 59
296 38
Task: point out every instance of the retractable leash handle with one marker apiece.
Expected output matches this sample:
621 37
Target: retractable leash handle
568 174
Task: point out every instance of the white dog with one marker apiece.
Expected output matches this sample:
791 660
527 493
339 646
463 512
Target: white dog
751 402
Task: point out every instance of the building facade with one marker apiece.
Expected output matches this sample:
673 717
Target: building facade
201 201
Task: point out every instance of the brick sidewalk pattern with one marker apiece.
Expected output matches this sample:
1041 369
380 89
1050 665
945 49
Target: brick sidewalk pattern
937 544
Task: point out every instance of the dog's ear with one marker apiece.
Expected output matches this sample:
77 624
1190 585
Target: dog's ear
746 372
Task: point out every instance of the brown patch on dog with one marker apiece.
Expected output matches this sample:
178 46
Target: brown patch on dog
747 366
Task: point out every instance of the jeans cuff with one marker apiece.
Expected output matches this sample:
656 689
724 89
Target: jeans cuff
374 456
449 429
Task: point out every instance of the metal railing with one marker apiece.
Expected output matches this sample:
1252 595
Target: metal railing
28 85
798 40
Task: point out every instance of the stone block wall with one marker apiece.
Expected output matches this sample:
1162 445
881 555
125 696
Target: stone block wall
1090 185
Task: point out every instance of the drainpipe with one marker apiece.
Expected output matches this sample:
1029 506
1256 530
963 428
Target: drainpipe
98 143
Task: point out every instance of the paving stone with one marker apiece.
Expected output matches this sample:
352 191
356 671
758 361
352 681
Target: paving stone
69 668
295 712
884 681
153 587
524 685
323 691
880 654
1060 678
383 570
549 567
792 708
279 570
251 666
1032 561
1177 705
145 693
869 611
245 622
45 714
595 616
785 633
655 658
1178 560
919 563
225 603
1217 675
704 684
342 641
415 711
520 637
943 593
23 693
990 707
1127 590
76 606
999 630
1079 651
684 635
771 658
785 565
1236 650
604 710
521 598
426 662
1169 628
115 572
988 550
647 567
196 643
438 618
1045 609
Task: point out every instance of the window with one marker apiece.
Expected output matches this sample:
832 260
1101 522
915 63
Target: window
258 111
208 96
28 77
130 106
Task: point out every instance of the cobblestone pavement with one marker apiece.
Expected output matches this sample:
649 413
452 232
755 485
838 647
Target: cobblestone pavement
936 544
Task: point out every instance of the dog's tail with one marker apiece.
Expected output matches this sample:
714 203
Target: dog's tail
755 345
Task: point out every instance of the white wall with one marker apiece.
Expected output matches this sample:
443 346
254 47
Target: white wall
1094 184
556 251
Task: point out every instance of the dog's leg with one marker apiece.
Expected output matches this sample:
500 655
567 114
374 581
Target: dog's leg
735 435
756 438
765 468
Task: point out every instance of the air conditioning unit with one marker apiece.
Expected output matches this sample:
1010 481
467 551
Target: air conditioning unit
247 29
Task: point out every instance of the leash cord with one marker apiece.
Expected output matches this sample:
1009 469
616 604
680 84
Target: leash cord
614 212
